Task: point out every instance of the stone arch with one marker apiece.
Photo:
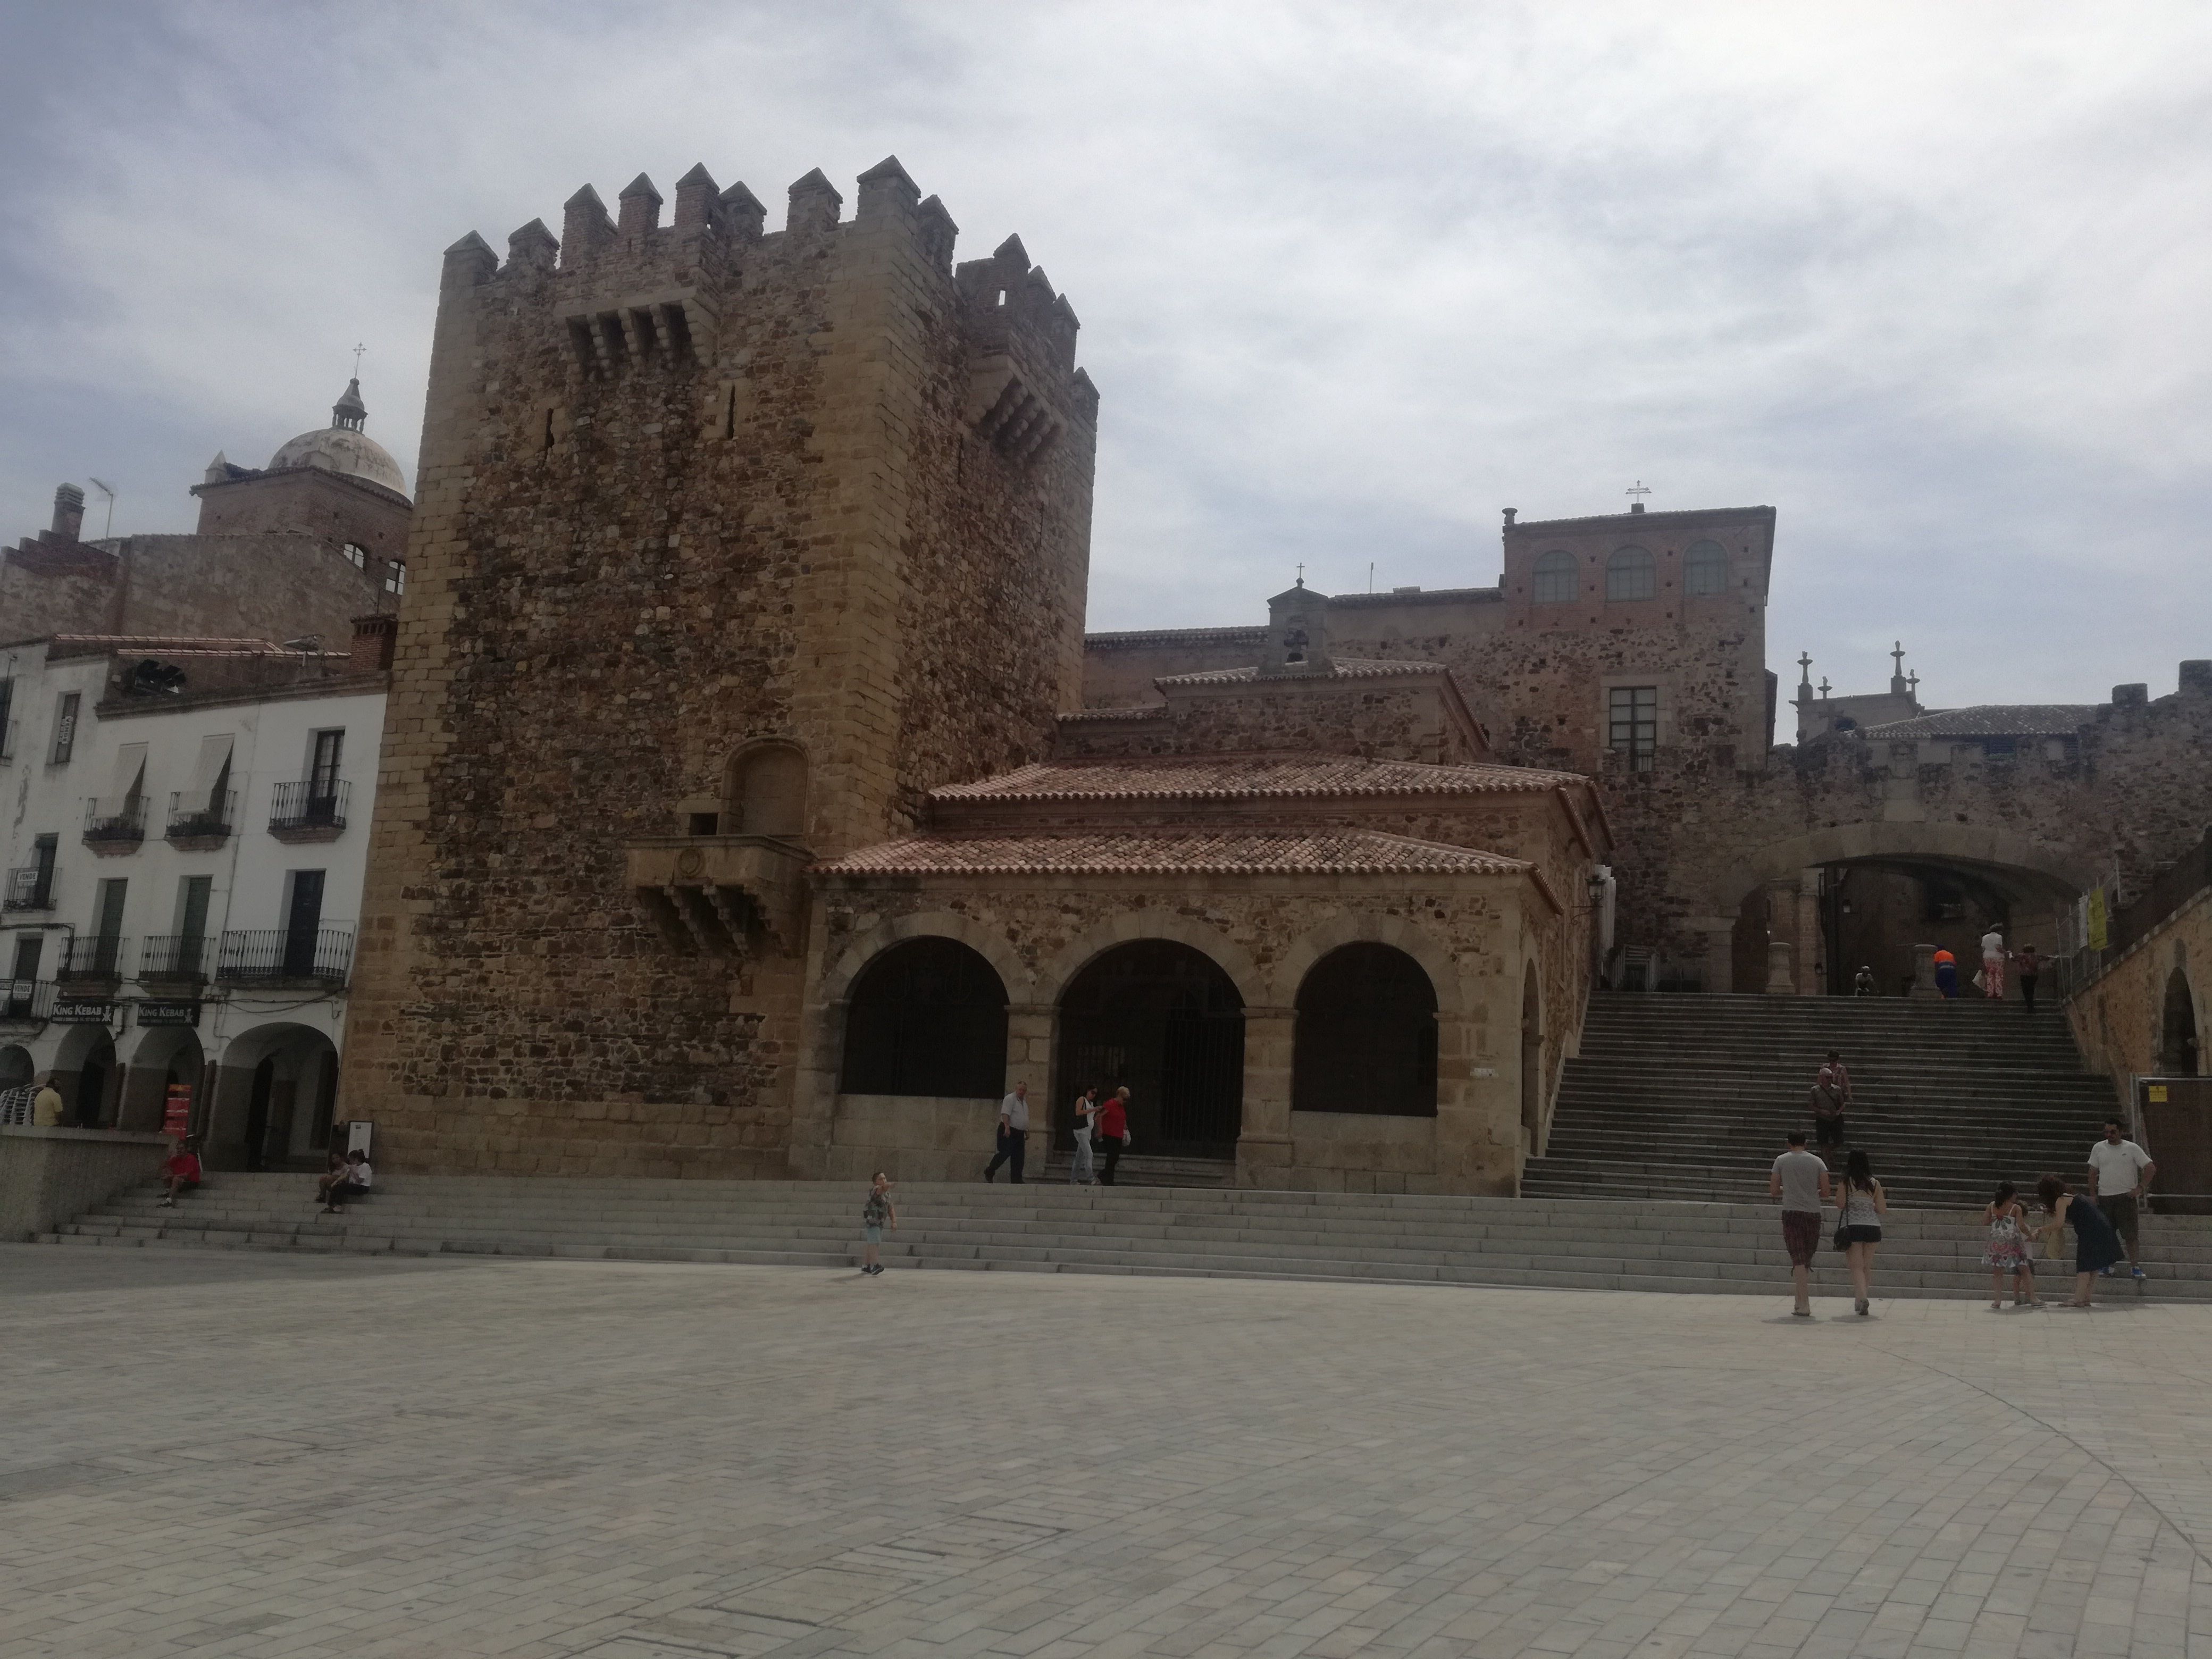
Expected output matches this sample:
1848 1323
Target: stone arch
765 790
1993 850
1364 1034
276 1090
2178 1050
163 1055
86 1074
17 1069
1367 928
1054 977
1532 1061
926 1017
993 946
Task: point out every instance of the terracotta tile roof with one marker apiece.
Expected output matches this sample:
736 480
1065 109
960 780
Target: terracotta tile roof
1252 634
1263 853
171 645
1344 668
1230 777
1992 720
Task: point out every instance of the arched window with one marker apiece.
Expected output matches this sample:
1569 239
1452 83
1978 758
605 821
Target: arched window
927 1016
1630 574
1705 568
768 790
1559 579
1365 1039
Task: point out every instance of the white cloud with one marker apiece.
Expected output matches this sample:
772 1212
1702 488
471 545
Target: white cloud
1926 279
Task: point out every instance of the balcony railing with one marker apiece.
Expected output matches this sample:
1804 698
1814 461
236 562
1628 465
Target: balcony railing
283 953
197 816
173 956
309 811
93 956
26 998
115 823
31 888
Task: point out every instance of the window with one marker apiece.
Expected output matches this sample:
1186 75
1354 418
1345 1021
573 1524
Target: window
1632 723
322 765
1559 579
1365 1037
1705 569
65 727
1630 575
395 577
356 554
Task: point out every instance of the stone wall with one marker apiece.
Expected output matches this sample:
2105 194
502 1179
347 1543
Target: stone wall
2119 1018
330 507
684 488
270 586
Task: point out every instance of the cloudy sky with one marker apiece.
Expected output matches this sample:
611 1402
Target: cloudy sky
1929 279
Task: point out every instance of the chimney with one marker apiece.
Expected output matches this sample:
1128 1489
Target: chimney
372 640
68 512
1510 512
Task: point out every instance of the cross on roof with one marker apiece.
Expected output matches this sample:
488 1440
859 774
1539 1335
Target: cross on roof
1805 663
357 350
1302 575
1899 654
1639 489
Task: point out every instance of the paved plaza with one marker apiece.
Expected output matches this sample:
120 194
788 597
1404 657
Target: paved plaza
257 1456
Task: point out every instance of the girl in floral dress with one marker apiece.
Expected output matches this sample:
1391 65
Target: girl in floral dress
2008 1253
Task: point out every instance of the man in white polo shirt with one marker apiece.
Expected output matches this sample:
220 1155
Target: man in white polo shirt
1013 1134
2119 1174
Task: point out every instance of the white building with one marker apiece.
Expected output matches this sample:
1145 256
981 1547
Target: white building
184 835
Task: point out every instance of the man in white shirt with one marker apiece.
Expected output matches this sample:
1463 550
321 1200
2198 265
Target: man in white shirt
1800 1180
2119 1174
354 1183
1013 1134
1993 964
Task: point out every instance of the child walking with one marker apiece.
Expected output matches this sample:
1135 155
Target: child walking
2006 1218
875 1213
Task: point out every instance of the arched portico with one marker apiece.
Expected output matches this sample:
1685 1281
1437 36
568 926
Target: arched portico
276 1091
86 1076
1165 1020
1809 911
162 1058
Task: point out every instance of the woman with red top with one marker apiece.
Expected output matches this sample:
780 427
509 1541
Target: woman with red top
1114 1132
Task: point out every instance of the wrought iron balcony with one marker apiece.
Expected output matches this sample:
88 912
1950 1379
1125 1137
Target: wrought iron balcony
31 888
324 956
173 956
115 825
309 812
201 820
26 998
90 955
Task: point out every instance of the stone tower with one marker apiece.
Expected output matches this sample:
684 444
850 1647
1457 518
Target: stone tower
730 545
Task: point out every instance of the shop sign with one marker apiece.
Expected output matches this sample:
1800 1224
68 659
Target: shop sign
72 1011
169 1013
176 1110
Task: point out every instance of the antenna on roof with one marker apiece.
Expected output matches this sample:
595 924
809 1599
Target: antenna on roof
108 491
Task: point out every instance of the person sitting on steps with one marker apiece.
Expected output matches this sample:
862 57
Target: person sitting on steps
355 1184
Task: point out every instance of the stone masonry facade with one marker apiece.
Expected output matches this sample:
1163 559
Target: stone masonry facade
699 502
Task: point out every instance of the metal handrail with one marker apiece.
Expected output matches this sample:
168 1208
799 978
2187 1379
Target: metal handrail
30 887
280 953
90 955
173 956
121 820
300 806
211 815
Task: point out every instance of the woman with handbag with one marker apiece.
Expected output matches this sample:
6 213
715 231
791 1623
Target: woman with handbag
1858 1226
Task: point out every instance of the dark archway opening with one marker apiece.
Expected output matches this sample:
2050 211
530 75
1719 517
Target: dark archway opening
1366 1036
2176 1042
16 1070
1166 1021
92 1080
257 1114
927 1016
1532 1062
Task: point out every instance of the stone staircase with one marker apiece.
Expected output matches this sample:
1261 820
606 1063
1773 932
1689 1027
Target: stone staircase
1040 1227
1690 1096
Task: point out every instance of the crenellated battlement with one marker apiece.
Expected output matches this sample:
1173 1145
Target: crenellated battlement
623 291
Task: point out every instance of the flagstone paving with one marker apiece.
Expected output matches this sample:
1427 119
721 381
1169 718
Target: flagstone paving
255 1457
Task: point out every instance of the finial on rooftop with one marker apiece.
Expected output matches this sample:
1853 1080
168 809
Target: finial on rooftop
349 414
1897 687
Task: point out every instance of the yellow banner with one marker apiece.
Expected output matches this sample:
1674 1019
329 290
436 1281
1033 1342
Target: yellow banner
2097 935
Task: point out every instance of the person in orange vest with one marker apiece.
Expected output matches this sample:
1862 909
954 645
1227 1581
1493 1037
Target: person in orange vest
1947 974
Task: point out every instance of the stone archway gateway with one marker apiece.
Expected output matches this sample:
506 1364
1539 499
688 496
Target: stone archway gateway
1812 910
1165 1020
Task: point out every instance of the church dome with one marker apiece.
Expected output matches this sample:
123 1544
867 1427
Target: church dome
342 447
